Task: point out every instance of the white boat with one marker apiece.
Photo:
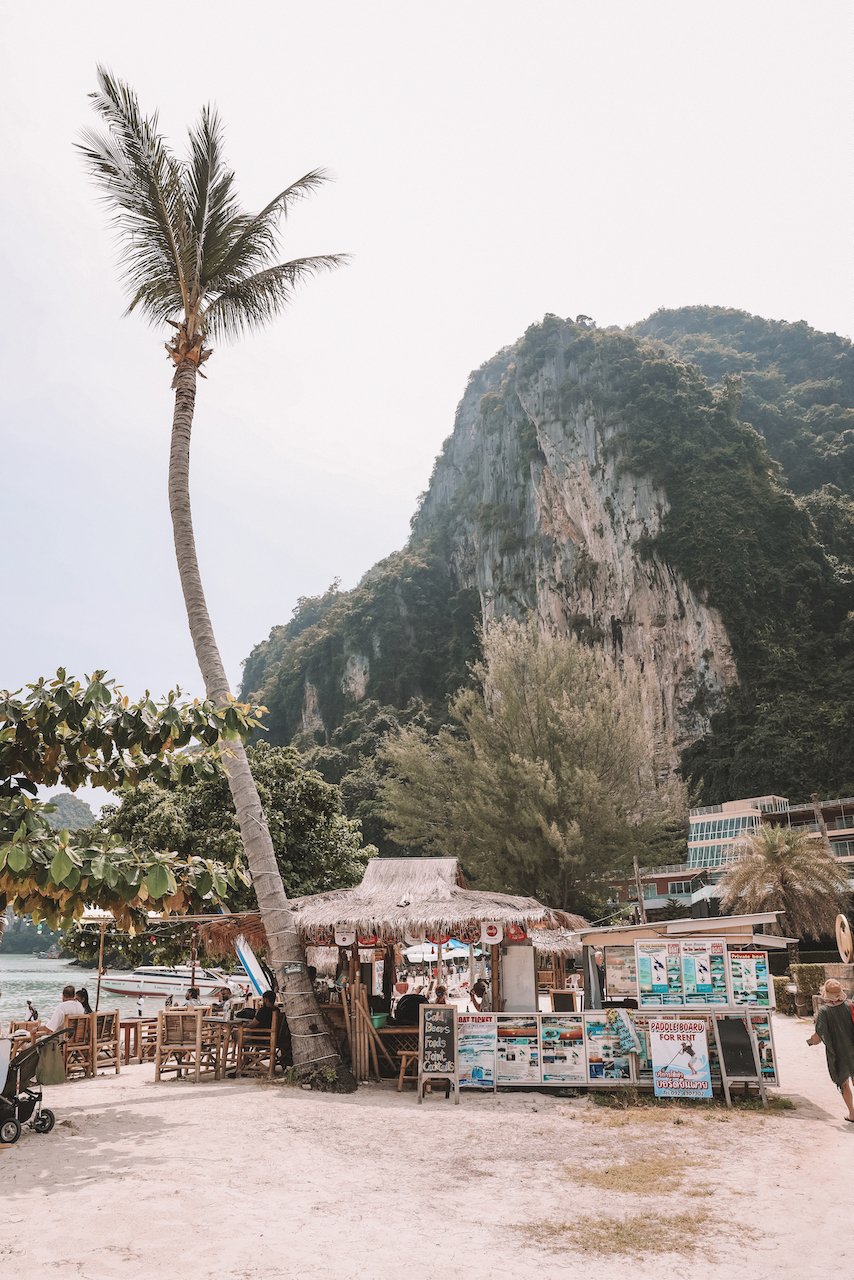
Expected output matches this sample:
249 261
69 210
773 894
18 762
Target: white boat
166 980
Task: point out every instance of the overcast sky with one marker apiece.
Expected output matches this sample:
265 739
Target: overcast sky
493 161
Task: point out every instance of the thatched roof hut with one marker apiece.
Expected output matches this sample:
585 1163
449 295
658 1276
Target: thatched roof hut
400 898
559 942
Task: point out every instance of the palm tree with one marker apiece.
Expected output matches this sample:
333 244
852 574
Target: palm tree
785 870
193 259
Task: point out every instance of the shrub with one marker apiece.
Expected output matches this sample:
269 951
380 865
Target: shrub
808 978
785 998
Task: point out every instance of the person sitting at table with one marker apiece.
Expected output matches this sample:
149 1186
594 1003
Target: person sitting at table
68 1007
83 996
263 1019
192 998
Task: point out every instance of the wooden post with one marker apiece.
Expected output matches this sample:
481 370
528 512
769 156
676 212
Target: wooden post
100 964
495 965
194 951
639 888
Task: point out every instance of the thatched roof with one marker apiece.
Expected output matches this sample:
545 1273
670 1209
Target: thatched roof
400 896
559 942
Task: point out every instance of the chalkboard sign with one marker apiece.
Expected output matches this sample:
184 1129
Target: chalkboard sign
736 1048
437 1046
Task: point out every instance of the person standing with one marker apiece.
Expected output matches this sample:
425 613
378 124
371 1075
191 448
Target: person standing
834 1027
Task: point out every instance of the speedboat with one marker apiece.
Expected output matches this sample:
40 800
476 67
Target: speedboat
166 980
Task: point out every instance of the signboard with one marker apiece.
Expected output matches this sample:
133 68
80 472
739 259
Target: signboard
761 1023
491 933
562 1048
621 973
736 1048
751 983
704 971
437 1042
517 1059
659 970
679 1050
609 1041
477 1036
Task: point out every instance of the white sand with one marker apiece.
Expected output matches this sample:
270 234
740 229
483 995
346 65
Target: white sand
237 1179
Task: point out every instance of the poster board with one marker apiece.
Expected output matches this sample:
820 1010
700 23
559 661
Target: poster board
562 1048
477 1038
764 1032
704 972
609 1059
659 973
517 1057
679 1051
621 973
437 1046
750 979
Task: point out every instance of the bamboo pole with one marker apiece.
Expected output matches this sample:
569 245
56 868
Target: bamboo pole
496 977
100 964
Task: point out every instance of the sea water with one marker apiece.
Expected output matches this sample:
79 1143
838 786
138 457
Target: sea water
24 978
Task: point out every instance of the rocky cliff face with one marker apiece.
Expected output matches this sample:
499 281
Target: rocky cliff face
539 515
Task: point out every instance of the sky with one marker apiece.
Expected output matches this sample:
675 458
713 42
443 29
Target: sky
492 162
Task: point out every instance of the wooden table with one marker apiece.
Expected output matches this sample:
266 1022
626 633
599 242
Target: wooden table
131 1029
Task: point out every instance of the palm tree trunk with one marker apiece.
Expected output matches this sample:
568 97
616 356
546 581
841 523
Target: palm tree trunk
313 1045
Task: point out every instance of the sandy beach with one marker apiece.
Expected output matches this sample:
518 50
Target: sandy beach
240 1179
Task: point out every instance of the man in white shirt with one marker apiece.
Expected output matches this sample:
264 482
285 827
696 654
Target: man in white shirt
68 1006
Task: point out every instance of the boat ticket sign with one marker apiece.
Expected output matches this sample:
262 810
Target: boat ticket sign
679 1049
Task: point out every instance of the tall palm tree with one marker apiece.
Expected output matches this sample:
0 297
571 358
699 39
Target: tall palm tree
785 870
194 260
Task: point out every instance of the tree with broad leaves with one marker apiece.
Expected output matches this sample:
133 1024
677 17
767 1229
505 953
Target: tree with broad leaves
195 260
68 733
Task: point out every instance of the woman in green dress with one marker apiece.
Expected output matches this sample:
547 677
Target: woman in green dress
835 1027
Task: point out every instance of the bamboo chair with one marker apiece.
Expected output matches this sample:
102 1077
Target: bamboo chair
106 1046
79 1046
253 1053
185 1045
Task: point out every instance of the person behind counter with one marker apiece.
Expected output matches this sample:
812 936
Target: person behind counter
480 997
441 996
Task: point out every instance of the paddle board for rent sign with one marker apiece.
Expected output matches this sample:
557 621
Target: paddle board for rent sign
679 1049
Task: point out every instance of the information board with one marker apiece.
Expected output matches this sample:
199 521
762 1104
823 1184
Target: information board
437 1040
562 1048
761 1023
751 982
608 1041
679 1050
704 971
621 974
659 970
477 1036
517 1059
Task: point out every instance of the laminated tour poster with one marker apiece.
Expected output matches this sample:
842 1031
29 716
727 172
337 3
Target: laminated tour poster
562 1046
751 983
621 975
518 1050
611 1043
761 1023
704 973
680 1058
659 968
476 1044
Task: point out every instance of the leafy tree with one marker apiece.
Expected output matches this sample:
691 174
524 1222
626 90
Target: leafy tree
195 260
69 812
542 781
786 870
71 733
317 847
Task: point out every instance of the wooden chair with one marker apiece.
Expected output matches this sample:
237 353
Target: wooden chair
252 1053
106 1042
79 1046
185 1045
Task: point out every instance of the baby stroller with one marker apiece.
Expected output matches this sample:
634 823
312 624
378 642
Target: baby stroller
21 1094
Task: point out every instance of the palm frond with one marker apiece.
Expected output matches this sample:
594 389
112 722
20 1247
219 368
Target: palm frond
785 870
250 303
211 195
254 240
143 182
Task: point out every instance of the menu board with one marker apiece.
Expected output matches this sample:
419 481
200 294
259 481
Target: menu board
621 974
518 1049
609 1051
477 1036
562 1047
437 1040
751 983
659 969
704 971
680 1058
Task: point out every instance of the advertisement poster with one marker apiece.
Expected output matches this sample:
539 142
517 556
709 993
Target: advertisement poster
751 984
621 974
517 1058
562 1046
704 974
659 969
680 1058
476 1042
761 1023
609 1042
